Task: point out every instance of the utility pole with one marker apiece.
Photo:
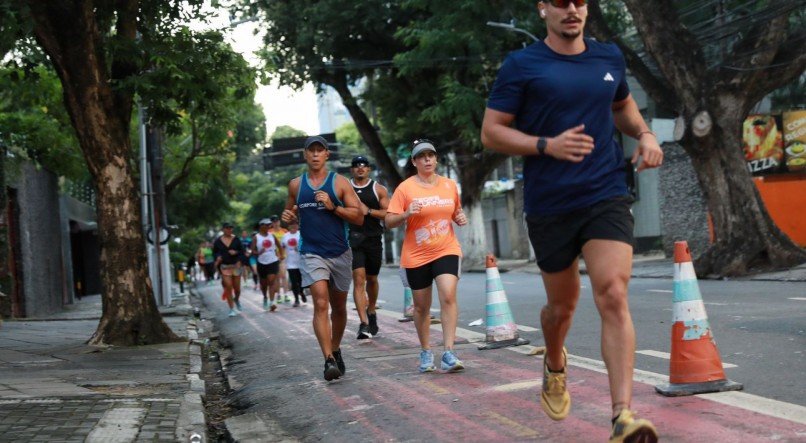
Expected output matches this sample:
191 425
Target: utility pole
153 210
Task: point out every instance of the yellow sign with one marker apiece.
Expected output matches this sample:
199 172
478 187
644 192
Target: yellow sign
795 140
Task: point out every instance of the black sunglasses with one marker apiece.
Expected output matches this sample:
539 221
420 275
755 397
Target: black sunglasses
564 3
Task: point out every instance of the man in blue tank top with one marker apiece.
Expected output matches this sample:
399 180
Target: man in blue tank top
556 103
324 203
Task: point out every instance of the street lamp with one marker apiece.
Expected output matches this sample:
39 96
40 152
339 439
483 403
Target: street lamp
511 27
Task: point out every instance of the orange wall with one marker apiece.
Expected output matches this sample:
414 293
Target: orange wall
785 198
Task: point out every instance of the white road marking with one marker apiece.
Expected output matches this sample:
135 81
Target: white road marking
754 403
517 386
798 298
667 356
527 328
663 291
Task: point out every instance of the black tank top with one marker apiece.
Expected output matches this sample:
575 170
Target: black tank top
372 226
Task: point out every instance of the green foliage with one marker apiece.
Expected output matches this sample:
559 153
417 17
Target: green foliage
267 200
285 131
306 39
250 131
443 79
33 121
351 142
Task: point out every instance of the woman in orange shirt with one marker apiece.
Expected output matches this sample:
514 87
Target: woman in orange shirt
428 203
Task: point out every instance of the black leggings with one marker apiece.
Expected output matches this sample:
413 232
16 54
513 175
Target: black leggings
296 282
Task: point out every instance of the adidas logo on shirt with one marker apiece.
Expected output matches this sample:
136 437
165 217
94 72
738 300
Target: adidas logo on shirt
608 78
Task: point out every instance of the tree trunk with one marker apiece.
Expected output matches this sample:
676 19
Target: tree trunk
368 132
473 238
746 238
101 117
473 169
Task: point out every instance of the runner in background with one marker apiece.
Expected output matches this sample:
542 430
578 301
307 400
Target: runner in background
246 241
366 241
292 261
282 279
228 250
268 252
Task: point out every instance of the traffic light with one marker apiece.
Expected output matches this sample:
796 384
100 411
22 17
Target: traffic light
289 151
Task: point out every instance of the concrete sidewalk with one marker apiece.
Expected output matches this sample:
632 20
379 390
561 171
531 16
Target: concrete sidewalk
54 387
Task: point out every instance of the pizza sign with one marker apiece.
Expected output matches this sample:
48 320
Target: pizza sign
763 144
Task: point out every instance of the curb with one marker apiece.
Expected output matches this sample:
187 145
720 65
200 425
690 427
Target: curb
191 425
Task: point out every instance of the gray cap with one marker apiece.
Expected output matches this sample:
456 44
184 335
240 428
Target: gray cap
420 146
315 139
264 221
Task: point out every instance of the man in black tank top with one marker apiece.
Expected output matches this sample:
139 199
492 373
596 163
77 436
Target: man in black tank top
366 242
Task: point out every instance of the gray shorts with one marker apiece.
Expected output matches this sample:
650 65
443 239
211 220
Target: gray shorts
337 270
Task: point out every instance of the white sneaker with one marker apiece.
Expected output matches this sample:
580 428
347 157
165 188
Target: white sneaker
233 313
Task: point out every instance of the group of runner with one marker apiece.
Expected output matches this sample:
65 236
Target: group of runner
266 255
557 104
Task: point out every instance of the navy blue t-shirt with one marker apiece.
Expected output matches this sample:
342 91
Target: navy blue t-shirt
550 93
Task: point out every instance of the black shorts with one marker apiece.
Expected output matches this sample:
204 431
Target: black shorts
421 277
264 271
558 239
369 255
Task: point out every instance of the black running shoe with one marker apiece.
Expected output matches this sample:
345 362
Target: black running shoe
363 332
373 323
331 369
339 361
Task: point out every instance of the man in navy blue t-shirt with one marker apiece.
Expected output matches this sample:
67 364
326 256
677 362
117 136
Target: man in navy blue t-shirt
558 103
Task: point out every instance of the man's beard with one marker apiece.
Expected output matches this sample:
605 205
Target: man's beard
570 35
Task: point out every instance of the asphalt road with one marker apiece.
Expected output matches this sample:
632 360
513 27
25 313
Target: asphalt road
759 327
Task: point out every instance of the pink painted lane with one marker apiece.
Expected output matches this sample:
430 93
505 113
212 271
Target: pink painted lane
383 397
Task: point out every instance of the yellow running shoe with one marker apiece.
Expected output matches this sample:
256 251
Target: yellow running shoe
554 397
630 429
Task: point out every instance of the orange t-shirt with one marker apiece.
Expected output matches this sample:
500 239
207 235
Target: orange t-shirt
429 234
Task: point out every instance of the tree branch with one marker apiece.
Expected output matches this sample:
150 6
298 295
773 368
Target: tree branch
675 49
338 80
658 88
787 65
195 153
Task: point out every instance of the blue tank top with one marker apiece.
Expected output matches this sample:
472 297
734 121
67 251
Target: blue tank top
322 232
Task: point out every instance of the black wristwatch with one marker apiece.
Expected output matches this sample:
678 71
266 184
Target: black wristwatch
542 143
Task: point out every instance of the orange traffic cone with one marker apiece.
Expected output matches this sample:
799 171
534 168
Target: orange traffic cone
695 366
501 328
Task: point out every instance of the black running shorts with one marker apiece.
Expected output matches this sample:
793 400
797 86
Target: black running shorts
369 255
421 277
558 239
265 270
